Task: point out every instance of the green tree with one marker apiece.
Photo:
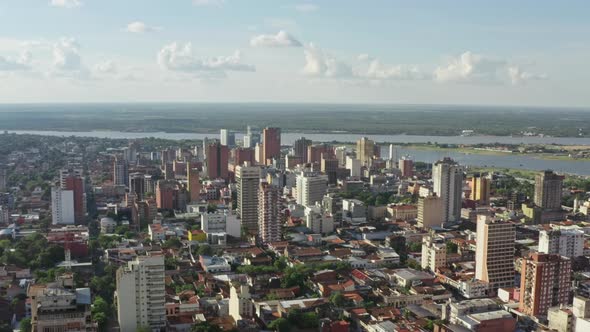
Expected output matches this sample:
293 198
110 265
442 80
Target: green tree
205 327
25 325
452 247
280 325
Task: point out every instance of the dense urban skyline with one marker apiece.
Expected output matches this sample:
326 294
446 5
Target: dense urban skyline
522 53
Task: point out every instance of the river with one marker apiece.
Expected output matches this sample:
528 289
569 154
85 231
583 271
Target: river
501 161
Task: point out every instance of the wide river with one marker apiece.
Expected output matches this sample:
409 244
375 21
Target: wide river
503 161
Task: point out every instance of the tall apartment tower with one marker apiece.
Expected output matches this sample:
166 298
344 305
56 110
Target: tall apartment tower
141 294
248 182
72 180
545 282
300 148
392 153
548 190
310 188
480 189
137 185
447 177
194 184
62 206
120 172
494 262
217 159
434 252
365 149
568 243
269 219
430 211
406 167
271 145
3 179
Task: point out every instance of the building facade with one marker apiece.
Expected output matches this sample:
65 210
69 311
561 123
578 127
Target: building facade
494 261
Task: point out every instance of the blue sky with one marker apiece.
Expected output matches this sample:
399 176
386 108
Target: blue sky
448 52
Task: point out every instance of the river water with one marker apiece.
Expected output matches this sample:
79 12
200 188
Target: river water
502 161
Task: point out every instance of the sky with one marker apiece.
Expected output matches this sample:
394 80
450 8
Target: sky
534 53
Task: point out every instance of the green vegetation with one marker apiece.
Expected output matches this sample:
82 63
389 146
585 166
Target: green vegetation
280 325
362 119
32 251
25 325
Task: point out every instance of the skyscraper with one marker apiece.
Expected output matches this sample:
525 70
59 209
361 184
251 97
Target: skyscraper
194 184
300 148
494 262
480 189
406 167
392 152
548 190
141 294
62 206
248 182
545 282
120 172
73 180
430 211
137 185
271 145
310 188
2 179
447 177
227 138
242 155
217 159
566 242
329 166
365 148
269 219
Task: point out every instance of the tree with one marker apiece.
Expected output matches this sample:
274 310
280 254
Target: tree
172 243
452 247
338 300
25 325
280 325
205 327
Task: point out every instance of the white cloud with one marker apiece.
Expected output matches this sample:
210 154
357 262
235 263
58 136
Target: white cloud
379 71
20 64
215 3
66 3
364 57
66 54
477 68
180 58
106 67
140 27
320 64
518 76
281 39
306 7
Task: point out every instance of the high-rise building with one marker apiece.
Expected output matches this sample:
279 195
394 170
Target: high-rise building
2 179
62 206
311 188
434 252
271 145
545 282
141 294
316 151
194 184
240 302
447 178
227 138
300 148
120 172
354 166
340 153
318 221
217 159
430 211
393 152
269 218
365 149
548 190
329 166
406 167
137 185
242 155
494 262
167 194
73 180
567 242
247 183
480 189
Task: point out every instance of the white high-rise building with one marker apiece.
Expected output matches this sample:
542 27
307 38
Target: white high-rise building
434 252
318 221
141 294
568 243
247 182
494 255
62 206
311 188
240 302
354 166
224 137
447 177
393 152
247 141
2 179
